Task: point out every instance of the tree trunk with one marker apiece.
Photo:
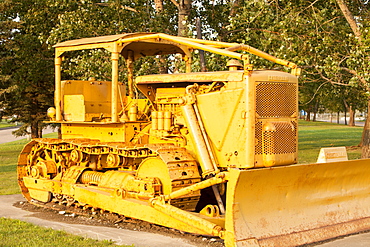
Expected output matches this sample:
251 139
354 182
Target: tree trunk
184 7
365 142
351 116
338 116
202 60
366 124
40 132
350 19
158 5
315 111
163 65
308 116
346 106
59 132
35 130
234 7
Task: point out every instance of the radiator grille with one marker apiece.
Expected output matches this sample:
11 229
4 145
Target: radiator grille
275 99
281 141
258 135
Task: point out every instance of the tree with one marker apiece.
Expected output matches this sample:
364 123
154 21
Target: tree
28 30
305 32
311 95
184 9
32 92
8 28
313 34
361 58
27 72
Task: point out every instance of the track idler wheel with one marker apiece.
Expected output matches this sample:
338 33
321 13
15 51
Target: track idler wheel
22 168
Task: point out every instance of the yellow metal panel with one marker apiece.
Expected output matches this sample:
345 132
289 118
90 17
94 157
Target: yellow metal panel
133 208
97 96
38 188
60 50
93 40
173 92
223 76
154 167
250 119
222 114
289 206
74 108
103 132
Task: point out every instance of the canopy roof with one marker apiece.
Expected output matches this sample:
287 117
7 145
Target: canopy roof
151 44
93 40
141 44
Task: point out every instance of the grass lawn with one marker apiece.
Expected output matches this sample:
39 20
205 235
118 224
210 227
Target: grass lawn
19 233
8 159
315 135
9 153
5 124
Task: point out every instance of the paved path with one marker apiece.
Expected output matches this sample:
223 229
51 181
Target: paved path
119 236
7 136
357 123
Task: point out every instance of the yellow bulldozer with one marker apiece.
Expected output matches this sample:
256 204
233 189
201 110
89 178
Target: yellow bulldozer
211 153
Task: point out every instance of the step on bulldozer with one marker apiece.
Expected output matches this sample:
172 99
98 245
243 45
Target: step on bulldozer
210 153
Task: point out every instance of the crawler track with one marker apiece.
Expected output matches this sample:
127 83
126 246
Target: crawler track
60 160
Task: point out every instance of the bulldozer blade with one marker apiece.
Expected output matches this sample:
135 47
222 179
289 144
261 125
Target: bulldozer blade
298 204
